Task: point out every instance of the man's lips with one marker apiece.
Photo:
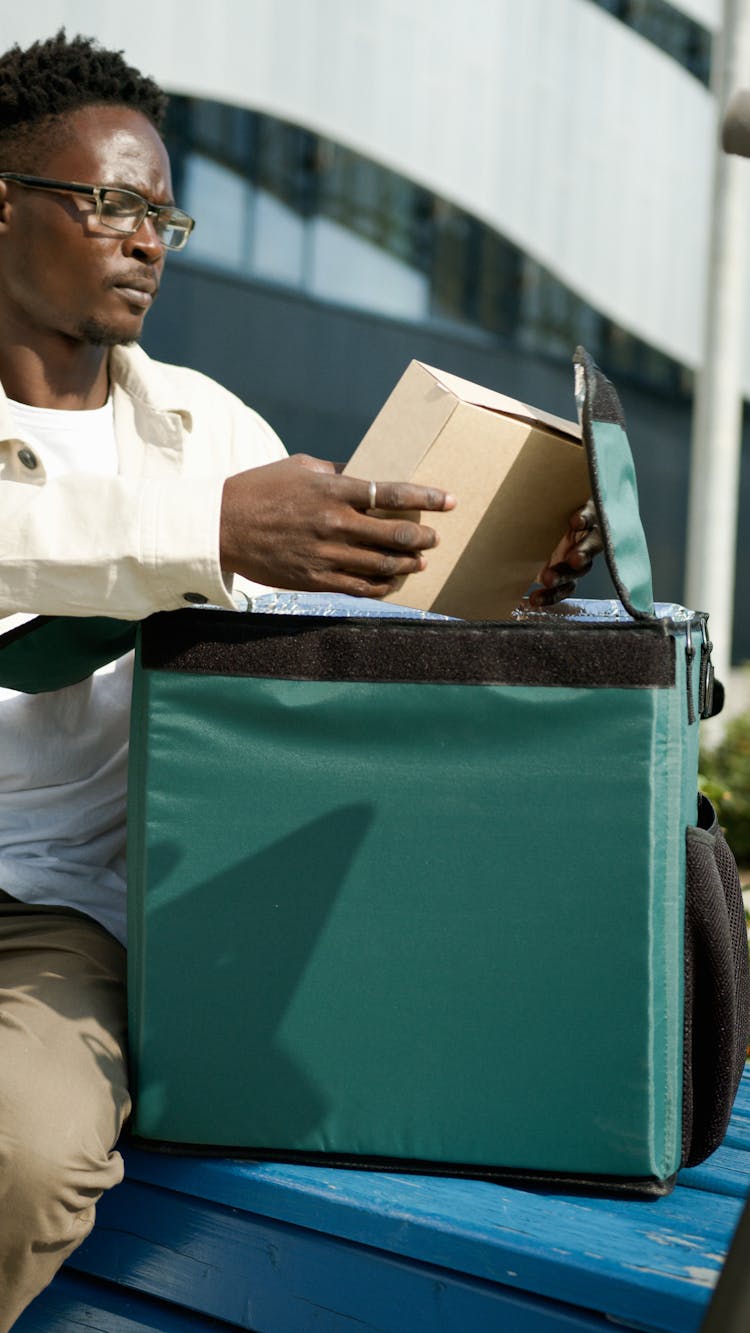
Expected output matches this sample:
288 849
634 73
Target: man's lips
136 291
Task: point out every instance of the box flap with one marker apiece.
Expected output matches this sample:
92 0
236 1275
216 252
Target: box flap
500 402
404 429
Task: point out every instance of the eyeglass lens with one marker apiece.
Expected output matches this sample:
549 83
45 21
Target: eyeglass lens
124 211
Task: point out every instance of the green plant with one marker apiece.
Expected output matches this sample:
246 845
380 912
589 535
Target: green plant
725 778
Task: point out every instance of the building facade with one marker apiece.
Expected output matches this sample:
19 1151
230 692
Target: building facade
483 189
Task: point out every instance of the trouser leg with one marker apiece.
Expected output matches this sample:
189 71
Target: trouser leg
63 1089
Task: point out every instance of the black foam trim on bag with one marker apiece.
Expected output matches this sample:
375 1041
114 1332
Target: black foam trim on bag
437 652
569 1182
717 987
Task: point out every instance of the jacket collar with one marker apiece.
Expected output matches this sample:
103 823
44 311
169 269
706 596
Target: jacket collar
143 380
137 375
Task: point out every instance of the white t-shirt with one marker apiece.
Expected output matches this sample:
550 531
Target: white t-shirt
63 755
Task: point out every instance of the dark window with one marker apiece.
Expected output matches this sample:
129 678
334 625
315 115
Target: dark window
668 28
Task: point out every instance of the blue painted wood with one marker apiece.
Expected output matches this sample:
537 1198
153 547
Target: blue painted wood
726 1172
263 1275
657 1259
486 1229
74 1304
286 1249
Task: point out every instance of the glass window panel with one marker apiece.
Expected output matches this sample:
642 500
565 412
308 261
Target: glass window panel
623 354
208 123
499 284
285 163
673 31
554 319
347 190
376 203
239 145
452 263
346 267
220 201
278 240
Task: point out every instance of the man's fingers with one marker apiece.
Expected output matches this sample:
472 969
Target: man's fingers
584 530
572 558
297 524
399 495
584 518
377 564
393 534
576 564
574 555
582 566
589 544
541 597
355 586
553 575
377 494
577 561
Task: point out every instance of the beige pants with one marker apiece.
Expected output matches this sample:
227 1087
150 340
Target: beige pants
63 1089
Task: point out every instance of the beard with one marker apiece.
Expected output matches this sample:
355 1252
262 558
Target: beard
98 334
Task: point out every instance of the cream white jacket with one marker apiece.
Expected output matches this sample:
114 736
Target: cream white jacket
148 539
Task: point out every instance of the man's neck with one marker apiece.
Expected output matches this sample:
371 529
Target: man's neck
71 376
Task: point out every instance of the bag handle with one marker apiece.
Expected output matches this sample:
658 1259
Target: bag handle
613 487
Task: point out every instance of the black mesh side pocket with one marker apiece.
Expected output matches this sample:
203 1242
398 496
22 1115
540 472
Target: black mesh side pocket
717 987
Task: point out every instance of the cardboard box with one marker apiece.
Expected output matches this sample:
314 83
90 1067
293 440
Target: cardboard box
517 475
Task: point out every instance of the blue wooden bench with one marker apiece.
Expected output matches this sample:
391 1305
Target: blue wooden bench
185 1243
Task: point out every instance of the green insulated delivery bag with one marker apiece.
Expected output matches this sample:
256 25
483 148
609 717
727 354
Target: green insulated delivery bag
411 893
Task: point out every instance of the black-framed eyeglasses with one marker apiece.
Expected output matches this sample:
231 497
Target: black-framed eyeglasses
122 210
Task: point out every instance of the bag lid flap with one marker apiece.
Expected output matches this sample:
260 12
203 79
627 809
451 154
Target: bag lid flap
614 488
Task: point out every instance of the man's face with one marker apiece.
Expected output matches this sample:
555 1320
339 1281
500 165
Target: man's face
61 271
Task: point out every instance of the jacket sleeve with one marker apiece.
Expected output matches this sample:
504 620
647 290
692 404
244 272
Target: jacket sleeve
121 546
126 546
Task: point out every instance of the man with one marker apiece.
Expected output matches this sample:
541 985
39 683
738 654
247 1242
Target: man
126 487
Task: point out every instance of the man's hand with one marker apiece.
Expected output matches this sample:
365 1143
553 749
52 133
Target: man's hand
297 524
572 558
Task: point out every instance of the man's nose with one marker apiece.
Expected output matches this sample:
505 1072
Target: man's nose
144 243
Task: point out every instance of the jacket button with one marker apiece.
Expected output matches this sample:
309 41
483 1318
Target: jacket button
196 598
28 458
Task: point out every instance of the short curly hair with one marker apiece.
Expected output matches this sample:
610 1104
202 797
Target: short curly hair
50 79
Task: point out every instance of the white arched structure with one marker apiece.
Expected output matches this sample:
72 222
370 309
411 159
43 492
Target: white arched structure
553 122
